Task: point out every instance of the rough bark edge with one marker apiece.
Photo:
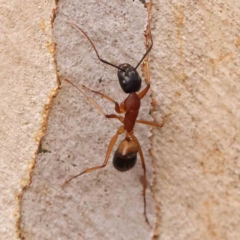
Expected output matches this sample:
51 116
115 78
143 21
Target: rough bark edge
146 71
25 184
155 229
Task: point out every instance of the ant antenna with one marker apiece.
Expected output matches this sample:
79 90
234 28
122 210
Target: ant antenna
149 49
102 60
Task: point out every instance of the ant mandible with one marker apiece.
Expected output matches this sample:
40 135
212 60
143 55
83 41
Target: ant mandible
125 156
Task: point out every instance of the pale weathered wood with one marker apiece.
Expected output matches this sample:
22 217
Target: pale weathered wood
195 76
27 81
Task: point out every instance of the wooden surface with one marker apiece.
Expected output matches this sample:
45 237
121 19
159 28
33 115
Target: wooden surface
27 82
194 68
195 72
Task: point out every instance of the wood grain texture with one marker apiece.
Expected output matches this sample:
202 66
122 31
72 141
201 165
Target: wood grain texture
195 71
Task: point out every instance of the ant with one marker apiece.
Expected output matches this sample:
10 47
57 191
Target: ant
125 156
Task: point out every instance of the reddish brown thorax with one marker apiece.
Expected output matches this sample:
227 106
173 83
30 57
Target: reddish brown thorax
132 105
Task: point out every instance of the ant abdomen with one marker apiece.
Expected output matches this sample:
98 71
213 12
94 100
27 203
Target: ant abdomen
124 163
125 156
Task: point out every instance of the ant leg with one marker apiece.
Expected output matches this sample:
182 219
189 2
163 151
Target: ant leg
144 91
120 118
154 124
144 178
118 108
110 147
94 103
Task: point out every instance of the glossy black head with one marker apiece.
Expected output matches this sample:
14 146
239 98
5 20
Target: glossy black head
124 163
128 78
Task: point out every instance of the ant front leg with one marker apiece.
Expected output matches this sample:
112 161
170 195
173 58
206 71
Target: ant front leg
118 108
110 147
144 91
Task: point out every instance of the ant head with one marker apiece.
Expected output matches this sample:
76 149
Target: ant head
127 75
128 78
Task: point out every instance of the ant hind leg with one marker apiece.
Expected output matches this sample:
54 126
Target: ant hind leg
144 179
109 150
